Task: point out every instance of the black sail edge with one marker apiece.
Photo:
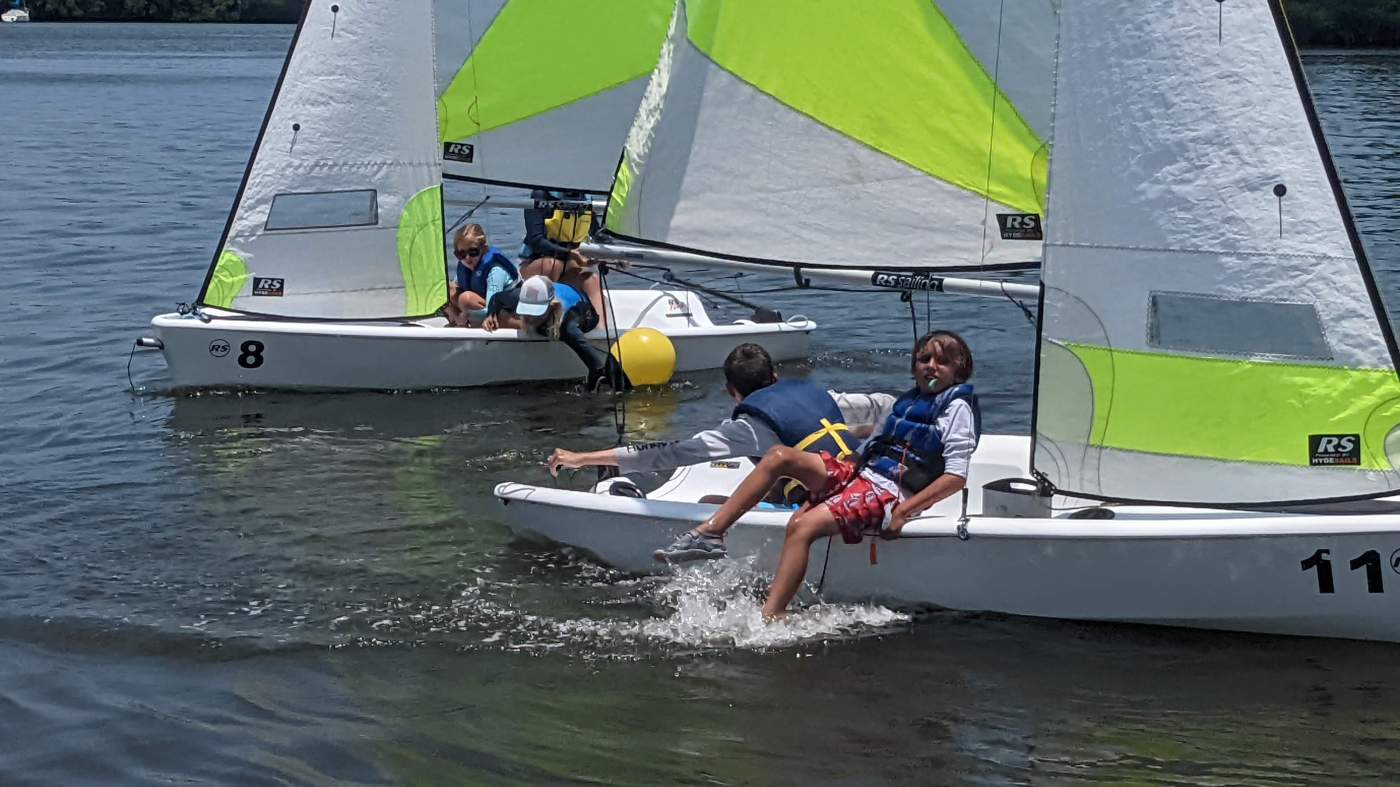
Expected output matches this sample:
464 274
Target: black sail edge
253 156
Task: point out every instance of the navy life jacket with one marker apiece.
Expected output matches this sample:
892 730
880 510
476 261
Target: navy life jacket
492 259
909 450
802 414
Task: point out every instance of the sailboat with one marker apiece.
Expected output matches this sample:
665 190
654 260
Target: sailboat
17 12
1216 420
331 270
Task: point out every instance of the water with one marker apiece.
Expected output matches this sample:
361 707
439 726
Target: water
298 589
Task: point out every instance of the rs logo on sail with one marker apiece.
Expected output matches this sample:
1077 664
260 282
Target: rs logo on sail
1334 449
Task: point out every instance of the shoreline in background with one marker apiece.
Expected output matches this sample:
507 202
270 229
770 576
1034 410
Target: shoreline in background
1316 23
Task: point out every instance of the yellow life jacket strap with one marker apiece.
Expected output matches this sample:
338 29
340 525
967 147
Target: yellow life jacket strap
828 430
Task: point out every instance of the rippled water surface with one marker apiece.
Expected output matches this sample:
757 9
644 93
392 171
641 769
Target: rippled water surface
312 589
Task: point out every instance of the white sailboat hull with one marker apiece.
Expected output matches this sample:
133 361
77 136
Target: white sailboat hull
1211 569
15 15
230 351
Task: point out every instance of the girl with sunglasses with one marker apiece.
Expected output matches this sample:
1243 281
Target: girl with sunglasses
482 271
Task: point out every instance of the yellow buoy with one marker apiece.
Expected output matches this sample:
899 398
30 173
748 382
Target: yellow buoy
646 355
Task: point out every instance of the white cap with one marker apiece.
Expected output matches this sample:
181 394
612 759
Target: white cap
535 294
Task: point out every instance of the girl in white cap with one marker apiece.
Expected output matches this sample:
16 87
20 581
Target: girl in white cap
561 313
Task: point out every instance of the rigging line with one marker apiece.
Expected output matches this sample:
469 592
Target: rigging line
131 384
1024 309
992 132
821 582
913 315
468 214
610 329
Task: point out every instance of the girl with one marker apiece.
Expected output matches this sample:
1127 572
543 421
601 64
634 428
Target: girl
919 456
560 313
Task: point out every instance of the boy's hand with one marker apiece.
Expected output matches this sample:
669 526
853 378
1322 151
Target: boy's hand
562 459
898 517
490 324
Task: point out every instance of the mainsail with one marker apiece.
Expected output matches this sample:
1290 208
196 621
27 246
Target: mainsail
905 134
541 92
340 212
1210 332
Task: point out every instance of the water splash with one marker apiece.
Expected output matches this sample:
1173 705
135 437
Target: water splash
720 606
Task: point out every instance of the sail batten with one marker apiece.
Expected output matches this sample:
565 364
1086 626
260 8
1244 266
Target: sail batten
1209 333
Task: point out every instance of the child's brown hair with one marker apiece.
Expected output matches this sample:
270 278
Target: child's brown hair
948 347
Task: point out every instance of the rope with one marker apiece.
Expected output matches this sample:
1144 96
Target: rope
131 384
473 209
913 316
1024 309
613 334
822 582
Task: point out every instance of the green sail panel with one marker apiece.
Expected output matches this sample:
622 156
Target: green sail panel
546 94
767 127
941 111
420 253
1239 410
229 276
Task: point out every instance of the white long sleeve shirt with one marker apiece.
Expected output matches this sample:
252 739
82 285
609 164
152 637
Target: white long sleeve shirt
743 436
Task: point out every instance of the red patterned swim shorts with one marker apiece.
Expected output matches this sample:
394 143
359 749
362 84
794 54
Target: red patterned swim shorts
857 505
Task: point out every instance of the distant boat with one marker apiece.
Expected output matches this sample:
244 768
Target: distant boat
16 13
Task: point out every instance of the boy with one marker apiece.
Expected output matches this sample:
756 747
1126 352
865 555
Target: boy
769 413
920 455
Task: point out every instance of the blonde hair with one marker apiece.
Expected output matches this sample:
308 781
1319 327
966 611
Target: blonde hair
472 231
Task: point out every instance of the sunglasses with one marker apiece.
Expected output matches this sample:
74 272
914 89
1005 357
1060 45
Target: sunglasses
466 253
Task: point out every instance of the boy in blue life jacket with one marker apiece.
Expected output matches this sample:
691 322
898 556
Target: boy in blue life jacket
918 456
769 412
482 271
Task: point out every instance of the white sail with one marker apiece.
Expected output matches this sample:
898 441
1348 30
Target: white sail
1210 332
829 132
541 92
340 212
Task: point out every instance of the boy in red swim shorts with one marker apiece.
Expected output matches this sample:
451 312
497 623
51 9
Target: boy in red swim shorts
920 455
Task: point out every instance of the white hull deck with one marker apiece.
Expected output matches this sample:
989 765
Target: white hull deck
231 351
15 15
1332 574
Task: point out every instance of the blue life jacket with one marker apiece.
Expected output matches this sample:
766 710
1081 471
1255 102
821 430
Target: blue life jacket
909 450
802 414
475 280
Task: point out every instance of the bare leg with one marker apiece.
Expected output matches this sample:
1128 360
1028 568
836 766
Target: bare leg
779 462
468 302
804 529
454 314
548 267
